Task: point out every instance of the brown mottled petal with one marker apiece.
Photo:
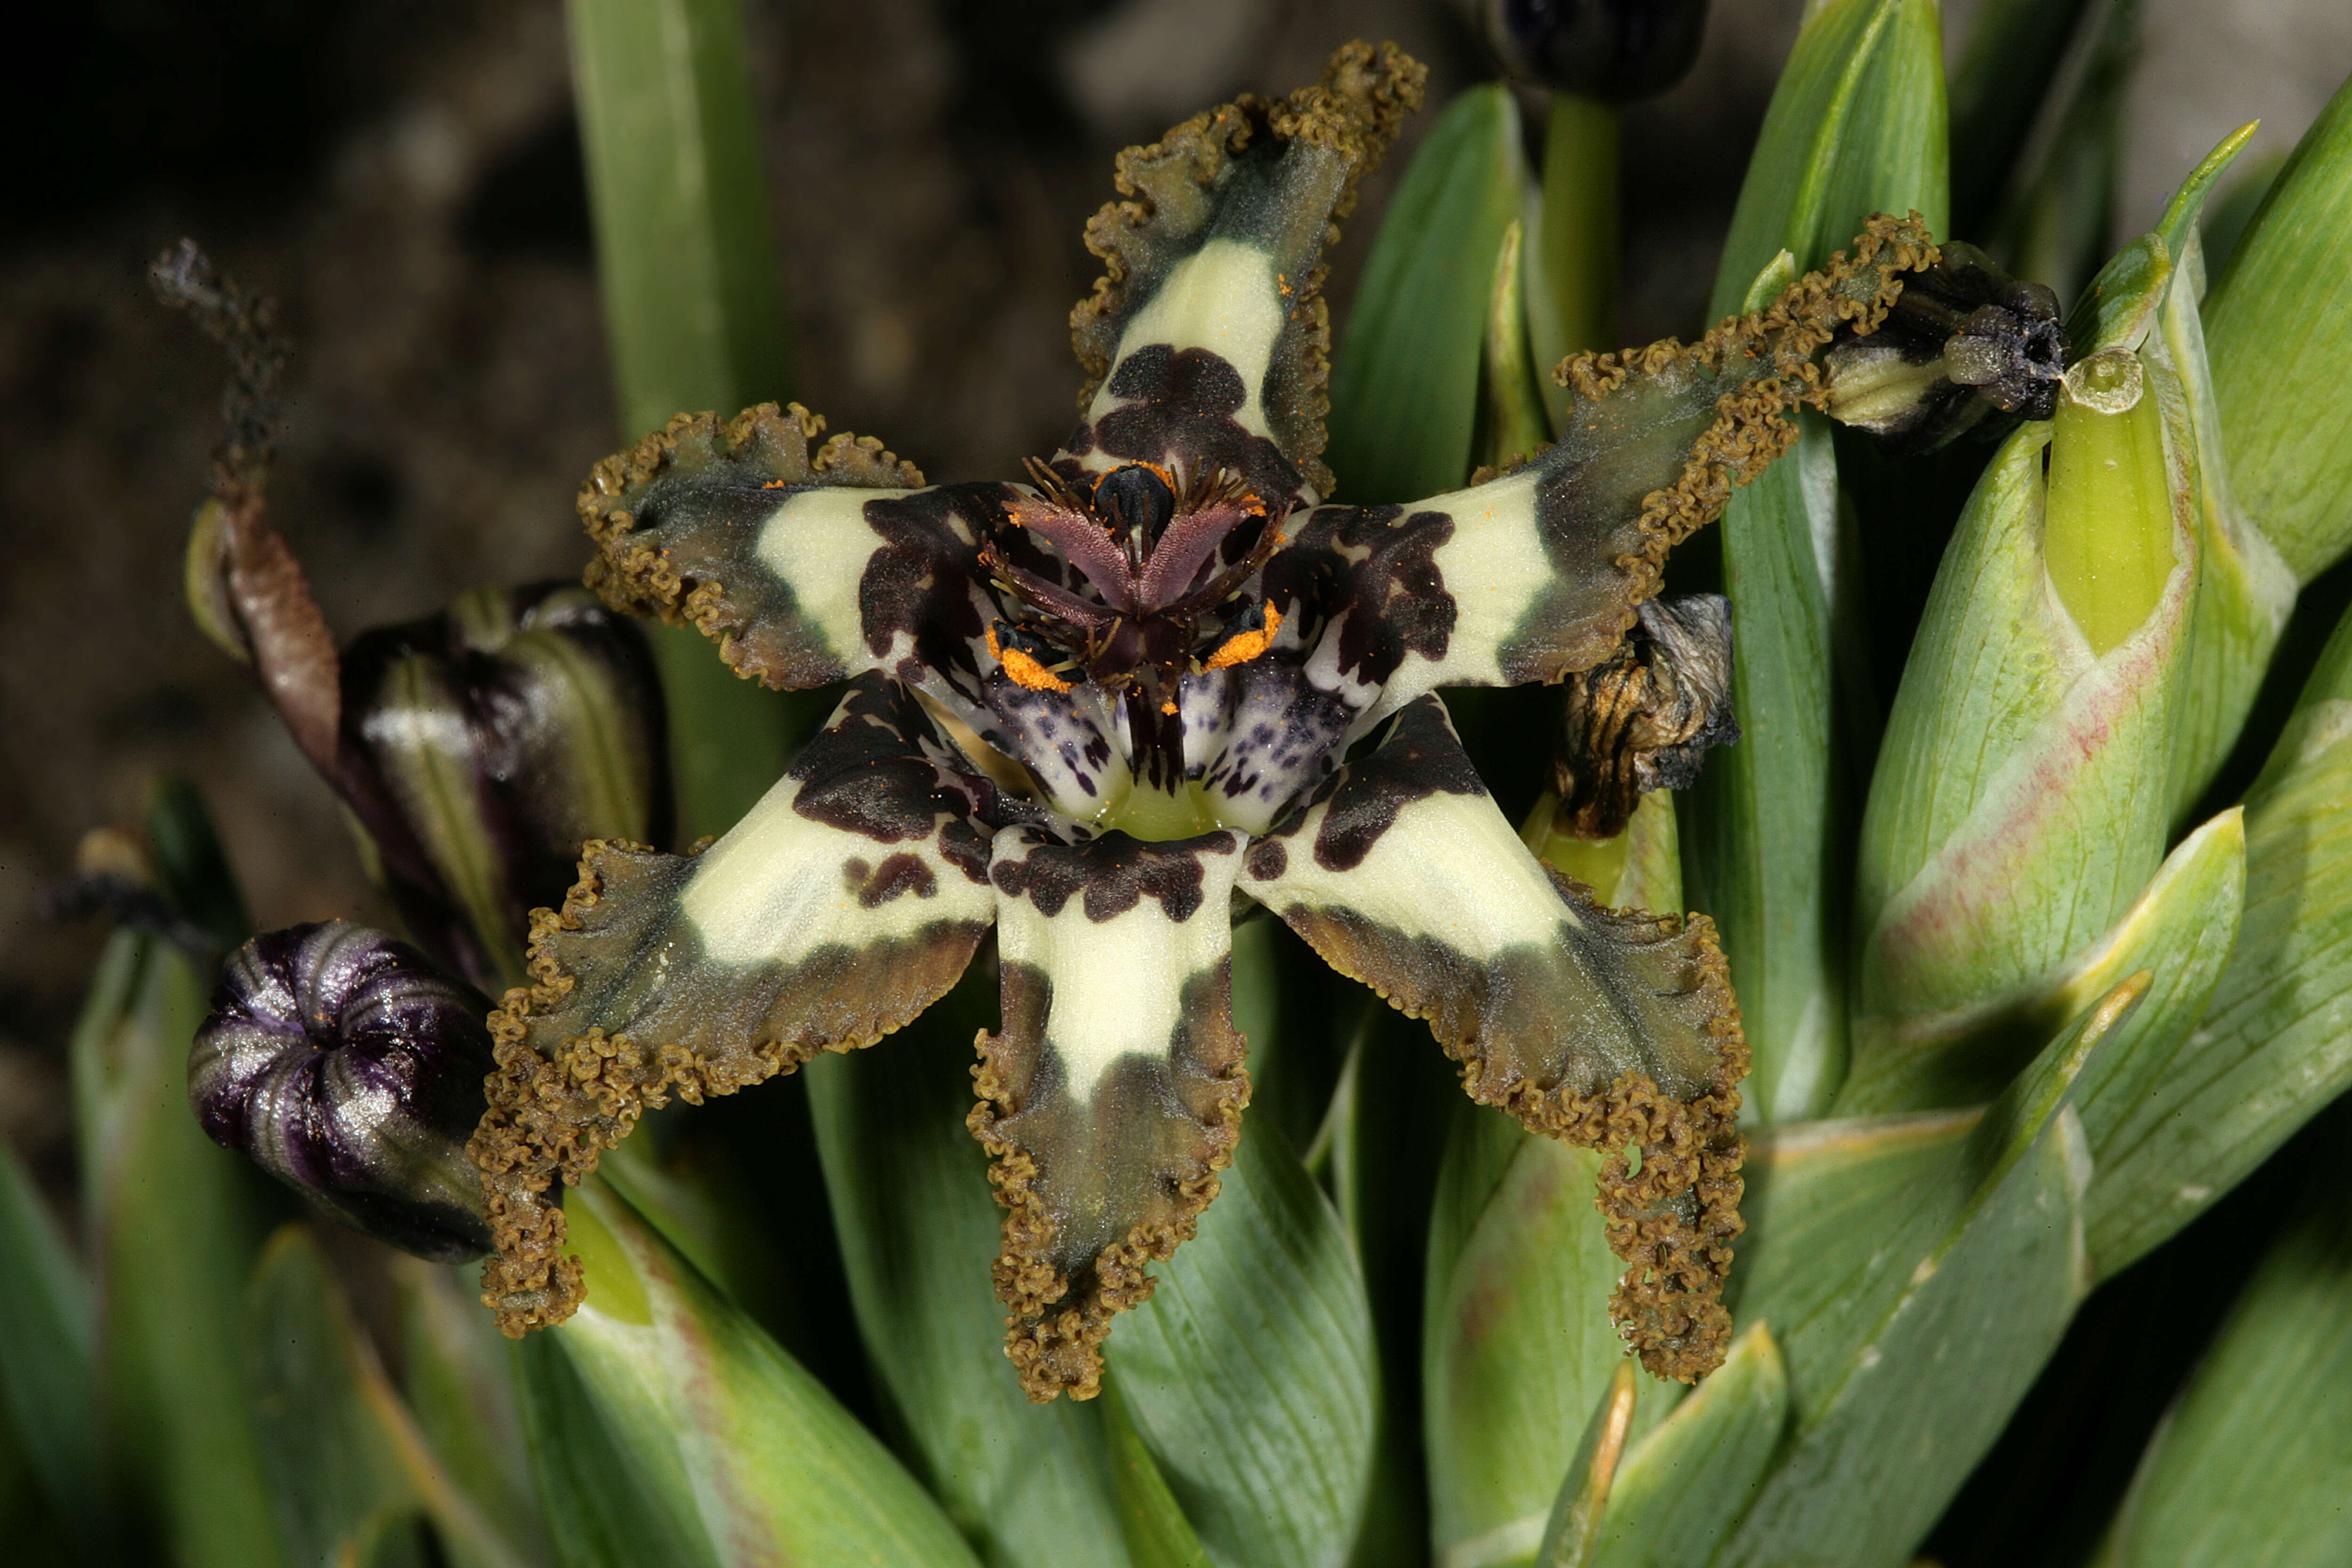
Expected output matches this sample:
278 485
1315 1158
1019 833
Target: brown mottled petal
1114 1095
845 904
1206 340
1535 574
1605 1028
805 568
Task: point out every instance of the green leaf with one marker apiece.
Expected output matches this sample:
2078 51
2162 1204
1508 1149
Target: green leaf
1856 126
175 1222
1516 1344
48 1352
708 1444
1250 1372
608 1505
2120 305
1904 1359
2276 1041
2279 326
2020 804
458 1376
331 1474
2255 1463
920 1227
1156 1532
1404 389
1684 1485
348 1470
1573 1528
2054 228
686 251
2005 71
1512 426
694 310
1572 248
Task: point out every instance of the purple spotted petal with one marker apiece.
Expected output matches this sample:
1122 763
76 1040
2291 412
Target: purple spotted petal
342 1062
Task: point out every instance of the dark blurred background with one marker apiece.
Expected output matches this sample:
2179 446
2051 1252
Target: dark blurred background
404 179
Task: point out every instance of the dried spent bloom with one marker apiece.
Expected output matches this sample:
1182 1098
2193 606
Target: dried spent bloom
342 1062
1621 50
1965 342
1093 709
1645 717
482 746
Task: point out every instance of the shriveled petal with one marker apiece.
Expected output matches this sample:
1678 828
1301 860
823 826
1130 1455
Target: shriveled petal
1535 574
1604 1029
1114 1095
845 904
1206 340
804 568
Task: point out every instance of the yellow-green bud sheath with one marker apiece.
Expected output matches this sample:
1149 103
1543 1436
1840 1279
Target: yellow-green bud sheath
2106 537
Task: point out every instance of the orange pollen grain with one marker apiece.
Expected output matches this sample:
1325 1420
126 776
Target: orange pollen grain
1248 646
777 485
1024 669
1168 708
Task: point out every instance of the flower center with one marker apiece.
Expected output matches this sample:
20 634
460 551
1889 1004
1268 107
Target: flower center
1133 581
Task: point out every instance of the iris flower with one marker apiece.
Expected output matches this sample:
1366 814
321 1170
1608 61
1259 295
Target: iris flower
1102 709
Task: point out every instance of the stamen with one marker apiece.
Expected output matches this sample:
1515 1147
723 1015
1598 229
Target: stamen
1024 668
1247 646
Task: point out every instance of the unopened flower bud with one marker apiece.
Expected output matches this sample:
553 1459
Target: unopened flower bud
342 1062
481 746
1964 344
1621 50
1644 718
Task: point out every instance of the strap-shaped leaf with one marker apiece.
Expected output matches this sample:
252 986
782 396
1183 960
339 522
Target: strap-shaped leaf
1602 1028
844 904
670 1429
1113 1094
1205 341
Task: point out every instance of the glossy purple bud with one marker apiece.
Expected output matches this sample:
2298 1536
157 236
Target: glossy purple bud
482 745
1620 50
345 1064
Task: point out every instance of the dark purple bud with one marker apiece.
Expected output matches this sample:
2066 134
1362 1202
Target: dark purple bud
1966 348
481 746
340 1060
1621 50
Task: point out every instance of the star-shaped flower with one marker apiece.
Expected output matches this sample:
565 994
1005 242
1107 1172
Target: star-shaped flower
1100 709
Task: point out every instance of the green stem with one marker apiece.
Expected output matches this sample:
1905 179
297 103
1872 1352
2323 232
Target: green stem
1573 307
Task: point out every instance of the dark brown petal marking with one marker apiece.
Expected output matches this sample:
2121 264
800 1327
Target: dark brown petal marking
843 905
1275 174
1644 718
872 774
677 519
1381 566
1111 1098
1604 1029
921 599
1183 416
1419 757
1109 875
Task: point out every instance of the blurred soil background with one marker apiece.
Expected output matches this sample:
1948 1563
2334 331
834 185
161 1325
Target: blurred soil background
404 179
